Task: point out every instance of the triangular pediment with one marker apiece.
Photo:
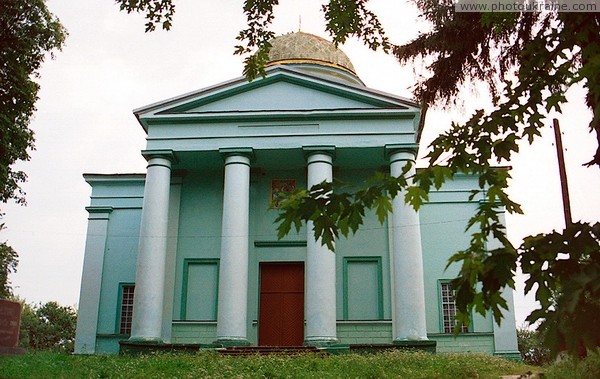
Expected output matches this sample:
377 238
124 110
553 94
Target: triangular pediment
283 90
277 95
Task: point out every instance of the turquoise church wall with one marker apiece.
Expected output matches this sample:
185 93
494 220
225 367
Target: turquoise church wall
442 222
124 195
199 226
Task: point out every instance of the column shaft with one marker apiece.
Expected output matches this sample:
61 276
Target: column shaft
320 269
150 273
408 291
233 268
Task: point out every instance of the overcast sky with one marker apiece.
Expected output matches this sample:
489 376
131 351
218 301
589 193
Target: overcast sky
109 66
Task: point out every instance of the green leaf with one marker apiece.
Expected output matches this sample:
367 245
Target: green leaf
383 206
416 196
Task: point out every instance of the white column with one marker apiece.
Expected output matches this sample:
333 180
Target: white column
408 291
233 266
93 263
320 268
150 274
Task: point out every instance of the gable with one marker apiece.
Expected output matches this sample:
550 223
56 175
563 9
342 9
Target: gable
279 96
282 90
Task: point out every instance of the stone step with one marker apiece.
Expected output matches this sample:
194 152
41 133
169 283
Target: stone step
266 350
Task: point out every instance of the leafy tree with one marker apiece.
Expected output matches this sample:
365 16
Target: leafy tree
528 61
9 259
27 32
48 327
531 347
566 267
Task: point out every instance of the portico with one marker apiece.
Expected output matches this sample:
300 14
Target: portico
320 263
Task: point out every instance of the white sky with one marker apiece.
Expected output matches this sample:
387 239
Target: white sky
109 66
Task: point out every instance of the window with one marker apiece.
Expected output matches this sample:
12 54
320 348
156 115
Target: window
126 308
449 309
363 296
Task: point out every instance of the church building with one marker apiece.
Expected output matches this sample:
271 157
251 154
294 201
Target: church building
187 253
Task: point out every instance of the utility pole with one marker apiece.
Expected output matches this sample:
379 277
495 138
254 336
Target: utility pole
563 175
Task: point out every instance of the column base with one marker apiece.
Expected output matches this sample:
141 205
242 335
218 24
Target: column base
420 345
510 355
139 346
227 342
142 340
320 341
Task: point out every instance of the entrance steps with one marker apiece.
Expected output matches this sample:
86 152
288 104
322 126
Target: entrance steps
267 350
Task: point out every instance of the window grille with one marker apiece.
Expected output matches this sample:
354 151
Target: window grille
449 309
126 309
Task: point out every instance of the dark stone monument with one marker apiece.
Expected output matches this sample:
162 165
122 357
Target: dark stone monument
10 321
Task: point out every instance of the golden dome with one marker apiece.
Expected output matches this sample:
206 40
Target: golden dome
304 48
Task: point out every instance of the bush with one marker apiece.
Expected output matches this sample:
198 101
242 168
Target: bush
572 367
48 327
531 347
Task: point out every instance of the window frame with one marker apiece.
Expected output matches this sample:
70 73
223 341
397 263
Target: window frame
120 315
441 284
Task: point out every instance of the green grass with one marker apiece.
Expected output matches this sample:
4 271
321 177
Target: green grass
395 364
588 368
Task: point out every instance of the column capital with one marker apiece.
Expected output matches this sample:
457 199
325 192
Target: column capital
319 149
166 154
99 209
177 176
247 152
99 212
410 148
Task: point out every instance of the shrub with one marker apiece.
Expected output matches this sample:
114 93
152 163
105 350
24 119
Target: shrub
572 367
48 326
531 346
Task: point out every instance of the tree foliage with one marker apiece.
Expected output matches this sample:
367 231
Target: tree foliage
48 327
528 61
28 31
158 12
9 259
565 267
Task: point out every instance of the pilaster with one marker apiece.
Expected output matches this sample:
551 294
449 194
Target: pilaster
171 256
505 335
91 280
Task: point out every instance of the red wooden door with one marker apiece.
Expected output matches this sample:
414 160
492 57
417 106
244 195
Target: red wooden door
281 318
